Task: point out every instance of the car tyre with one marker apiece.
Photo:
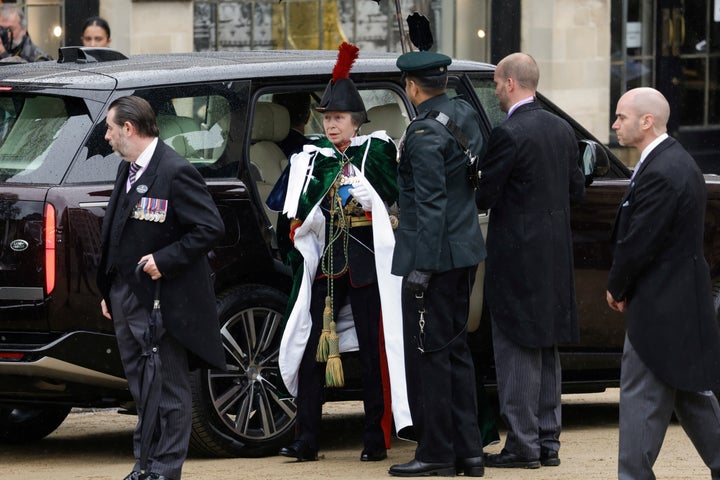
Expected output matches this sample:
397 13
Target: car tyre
29 424
245 410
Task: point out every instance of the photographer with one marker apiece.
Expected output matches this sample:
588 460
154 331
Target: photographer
15 44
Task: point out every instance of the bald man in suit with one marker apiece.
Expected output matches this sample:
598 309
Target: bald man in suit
661 281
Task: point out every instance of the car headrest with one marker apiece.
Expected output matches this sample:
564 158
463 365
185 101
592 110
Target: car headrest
271 122
171 125
387 117
179 132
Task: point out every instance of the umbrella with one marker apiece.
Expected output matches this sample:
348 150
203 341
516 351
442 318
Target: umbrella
151 386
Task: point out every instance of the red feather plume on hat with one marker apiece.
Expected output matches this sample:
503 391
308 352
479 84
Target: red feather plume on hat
347 55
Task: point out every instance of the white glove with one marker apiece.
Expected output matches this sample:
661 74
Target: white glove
362 195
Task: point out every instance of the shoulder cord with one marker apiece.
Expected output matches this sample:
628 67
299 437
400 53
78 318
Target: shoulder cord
328 345
336 216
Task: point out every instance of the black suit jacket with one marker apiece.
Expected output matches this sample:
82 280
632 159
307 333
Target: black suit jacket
529 178
660 269
179 245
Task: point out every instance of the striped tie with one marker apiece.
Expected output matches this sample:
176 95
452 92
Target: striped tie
134 167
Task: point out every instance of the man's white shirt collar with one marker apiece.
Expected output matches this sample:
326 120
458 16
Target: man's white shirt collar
143 161
646 151
650 147
518 104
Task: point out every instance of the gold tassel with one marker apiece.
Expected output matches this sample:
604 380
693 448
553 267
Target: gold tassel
323 347
334 376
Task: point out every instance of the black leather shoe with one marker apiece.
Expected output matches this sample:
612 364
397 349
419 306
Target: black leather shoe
373 455
505 459
416 468
299 450
470 467
135 475
156 476
549 458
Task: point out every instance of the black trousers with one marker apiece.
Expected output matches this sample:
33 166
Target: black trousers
365 303
441 380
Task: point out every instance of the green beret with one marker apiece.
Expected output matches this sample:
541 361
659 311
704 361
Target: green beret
424 64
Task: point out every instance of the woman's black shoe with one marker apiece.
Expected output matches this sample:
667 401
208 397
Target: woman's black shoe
373 455
299 450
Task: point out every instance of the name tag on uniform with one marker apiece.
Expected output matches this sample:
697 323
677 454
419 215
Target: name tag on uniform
150 209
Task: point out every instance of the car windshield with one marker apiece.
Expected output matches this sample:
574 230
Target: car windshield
39 134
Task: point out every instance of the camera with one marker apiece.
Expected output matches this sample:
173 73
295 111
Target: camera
6 37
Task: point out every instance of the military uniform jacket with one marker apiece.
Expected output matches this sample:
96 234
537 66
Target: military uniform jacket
529 177
179 244
439 229
659 268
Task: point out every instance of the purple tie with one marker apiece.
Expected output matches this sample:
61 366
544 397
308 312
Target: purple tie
134 167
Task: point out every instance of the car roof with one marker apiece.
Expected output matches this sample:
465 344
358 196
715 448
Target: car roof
159 69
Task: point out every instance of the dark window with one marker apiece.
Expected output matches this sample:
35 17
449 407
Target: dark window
38 135
485 91
197 121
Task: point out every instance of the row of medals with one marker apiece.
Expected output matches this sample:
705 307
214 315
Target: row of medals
142 211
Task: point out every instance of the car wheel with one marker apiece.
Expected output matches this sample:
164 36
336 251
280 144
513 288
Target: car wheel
245 411
28 424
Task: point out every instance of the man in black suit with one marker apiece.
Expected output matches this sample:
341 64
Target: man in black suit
659 277
529 178
160 213
438 248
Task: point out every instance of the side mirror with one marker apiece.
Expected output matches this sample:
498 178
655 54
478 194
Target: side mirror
593 160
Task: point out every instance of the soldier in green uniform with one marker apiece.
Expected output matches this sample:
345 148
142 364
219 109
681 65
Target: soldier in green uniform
438 247
337 198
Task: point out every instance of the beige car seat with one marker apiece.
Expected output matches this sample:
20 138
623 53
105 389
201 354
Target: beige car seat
176 132
271 124
387 117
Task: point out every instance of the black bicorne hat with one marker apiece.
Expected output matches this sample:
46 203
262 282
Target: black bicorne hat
341 94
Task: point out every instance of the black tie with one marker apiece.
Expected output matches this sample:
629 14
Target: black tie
134 167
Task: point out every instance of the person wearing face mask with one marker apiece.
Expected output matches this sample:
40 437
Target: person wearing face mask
96 33
18 47
337 199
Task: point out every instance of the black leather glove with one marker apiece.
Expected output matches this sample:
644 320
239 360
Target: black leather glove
417 281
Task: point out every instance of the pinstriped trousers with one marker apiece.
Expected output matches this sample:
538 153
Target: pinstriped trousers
169 447
529 390
646 406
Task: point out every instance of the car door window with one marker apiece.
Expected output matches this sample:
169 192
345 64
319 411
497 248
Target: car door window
196 121
485 91
38 133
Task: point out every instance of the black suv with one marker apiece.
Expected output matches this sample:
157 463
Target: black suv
56 173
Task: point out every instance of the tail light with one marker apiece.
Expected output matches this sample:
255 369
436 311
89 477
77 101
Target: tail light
49 248
11 356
